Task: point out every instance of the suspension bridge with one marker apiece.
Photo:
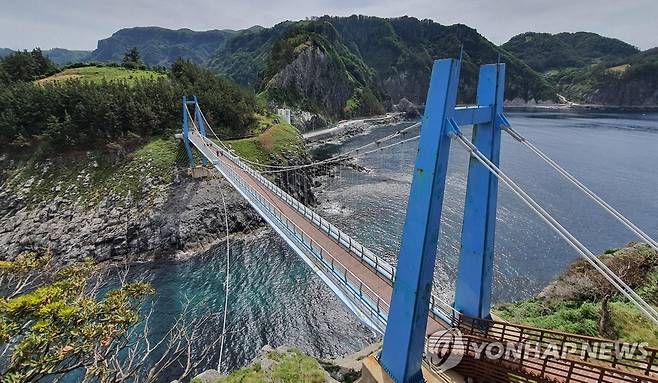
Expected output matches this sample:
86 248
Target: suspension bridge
397 302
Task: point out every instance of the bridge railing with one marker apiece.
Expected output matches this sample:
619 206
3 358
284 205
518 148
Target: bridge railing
623 357
439 309
376 307
495 365
350 244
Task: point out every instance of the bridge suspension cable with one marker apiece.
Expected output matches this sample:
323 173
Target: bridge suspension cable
615 213
619 284
337 158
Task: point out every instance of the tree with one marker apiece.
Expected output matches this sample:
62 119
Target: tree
26 66
131 58
61 320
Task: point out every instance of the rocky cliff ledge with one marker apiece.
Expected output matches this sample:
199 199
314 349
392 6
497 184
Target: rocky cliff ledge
291 365
581 301
181 216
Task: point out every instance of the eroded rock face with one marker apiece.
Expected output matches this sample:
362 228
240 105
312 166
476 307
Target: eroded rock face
313 75
633 263
185 216
305 121
407 85
625 93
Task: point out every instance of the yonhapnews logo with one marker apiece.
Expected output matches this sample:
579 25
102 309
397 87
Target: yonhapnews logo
444 349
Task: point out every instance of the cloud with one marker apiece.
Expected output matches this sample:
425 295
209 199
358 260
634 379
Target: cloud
78 24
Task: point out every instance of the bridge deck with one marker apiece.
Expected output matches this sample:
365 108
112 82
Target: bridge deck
379 285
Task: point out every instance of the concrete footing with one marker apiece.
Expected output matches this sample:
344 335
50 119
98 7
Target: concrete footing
372 372
198 172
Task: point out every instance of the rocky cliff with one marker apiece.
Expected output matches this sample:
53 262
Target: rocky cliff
182 216
313 75
582 301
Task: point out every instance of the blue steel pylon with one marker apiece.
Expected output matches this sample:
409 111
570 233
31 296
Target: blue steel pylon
476 255
405 334
186 127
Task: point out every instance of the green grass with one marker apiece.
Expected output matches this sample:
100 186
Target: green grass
296 367
99 74
631 325
271 145
291 367
94 175
573 317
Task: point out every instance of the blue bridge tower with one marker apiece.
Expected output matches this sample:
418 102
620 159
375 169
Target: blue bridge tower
405 334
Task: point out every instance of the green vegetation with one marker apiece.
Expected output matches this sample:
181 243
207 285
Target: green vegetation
78 114
161 46
25 66
629 81
569 316
587 68
581 301
102 74
272 145
369 62
544 51
55 320
290 367
91 176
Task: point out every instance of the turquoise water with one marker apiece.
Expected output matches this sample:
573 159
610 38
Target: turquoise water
275 299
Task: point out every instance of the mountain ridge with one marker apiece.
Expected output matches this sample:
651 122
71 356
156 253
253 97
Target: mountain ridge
344 67
377 62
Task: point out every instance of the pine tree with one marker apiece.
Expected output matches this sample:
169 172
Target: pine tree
131 58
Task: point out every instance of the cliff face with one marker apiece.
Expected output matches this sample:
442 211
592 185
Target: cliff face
313 75
183 216
633 92
355 66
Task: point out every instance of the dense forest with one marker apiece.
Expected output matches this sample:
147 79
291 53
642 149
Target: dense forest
589 68
544 51
82 114
358 65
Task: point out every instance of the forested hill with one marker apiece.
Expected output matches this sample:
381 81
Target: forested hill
59 56
161 46
359 65
588 68
545 51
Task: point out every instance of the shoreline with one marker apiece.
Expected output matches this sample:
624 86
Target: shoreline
583 108
345 126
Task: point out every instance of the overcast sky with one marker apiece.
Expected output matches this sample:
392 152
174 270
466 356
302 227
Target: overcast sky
79 24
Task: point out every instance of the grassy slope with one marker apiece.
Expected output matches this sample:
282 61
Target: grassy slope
274 140
290 367
578 310
100 74
91 176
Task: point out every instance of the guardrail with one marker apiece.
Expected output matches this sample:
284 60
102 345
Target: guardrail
377 307
496 367
633 359
438 309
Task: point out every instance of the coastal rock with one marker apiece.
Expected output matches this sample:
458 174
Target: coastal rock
182 217
208 376
305 121
408 108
